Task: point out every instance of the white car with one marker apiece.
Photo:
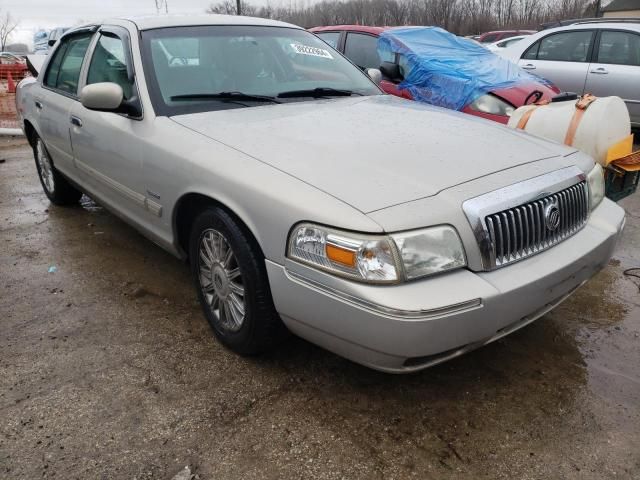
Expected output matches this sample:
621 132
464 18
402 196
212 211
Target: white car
504 43
597 57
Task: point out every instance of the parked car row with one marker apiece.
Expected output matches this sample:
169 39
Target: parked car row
596 56
43 40
390 232
444 55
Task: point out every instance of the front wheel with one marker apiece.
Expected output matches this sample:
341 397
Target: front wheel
55 186
233 288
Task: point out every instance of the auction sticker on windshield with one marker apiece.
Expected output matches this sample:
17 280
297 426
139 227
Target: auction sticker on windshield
314 51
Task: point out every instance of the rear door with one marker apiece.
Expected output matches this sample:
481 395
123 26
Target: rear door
616 69
562 58
57 96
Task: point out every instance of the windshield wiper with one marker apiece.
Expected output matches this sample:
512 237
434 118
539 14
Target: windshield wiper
318 92
225 96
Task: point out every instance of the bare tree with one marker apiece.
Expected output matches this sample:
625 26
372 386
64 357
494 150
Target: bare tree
7 26
458 16
227 7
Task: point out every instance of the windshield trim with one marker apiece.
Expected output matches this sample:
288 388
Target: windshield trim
153 88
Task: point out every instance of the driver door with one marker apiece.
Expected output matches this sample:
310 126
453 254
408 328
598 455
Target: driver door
107 146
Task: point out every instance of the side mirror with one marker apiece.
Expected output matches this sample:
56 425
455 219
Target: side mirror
391 71
375 75
104 97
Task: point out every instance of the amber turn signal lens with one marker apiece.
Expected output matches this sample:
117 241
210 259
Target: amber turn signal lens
341 255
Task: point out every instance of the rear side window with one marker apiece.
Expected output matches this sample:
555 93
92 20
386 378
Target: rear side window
532 52
619 48
109 64
509 42
330 38
362 50
64 71
565 47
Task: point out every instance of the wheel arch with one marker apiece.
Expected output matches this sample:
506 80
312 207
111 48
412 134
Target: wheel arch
30 132
187 208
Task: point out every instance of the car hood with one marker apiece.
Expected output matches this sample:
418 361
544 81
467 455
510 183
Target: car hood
372 152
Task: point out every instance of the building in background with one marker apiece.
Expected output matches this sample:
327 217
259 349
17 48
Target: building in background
622 8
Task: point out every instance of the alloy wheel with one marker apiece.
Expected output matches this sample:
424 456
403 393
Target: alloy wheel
46 169
221 280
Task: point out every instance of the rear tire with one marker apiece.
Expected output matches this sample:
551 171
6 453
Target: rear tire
55 186
231 280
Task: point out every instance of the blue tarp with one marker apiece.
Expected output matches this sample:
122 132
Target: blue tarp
447 70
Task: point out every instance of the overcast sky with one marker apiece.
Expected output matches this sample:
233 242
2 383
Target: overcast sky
36 14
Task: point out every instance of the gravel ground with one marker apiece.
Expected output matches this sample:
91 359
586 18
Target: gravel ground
109 370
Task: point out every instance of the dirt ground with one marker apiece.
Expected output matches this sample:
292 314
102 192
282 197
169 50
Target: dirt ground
108 370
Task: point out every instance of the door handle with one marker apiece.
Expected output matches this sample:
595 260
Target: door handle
600 71
529 66
75 121
38 104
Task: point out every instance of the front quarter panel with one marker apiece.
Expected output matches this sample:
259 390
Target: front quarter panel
270 202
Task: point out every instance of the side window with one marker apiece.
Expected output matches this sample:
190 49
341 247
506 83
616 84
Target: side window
510 42
490 38
64 70
362 50
404 66
330 38
109 64
619 48
566 47
532 52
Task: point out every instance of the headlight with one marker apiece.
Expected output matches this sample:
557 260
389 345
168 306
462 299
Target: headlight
493 105
429 251
377 258
595 178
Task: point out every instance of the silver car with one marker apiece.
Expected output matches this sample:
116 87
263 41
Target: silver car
600 58
393 233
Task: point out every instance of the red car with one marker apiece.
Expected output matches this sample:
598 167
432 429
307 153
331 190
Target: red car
497 35
360 45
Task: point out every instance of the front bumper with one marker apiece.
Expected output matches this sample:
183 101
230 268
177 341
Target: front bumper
408 327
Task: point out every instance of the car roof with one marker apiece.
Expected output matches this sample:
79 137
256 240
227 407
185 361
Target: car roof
507 31
635 27
149 22
354 28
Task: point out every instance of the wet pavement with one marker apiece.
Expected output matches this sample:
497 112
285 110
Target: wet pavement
108 370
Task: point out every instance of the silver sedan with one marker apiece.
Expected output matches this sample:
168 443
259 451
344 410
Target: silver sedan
393 233
601 58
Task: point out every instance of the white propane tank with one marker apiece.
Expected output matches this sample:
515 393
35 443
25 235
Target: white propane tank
604 123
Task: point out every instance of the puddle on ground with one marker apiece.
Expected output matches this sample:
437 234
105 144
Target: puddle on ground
598 304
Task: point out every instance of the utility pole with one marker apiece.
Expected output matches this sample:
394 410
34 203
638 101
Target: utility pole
598 5
238 9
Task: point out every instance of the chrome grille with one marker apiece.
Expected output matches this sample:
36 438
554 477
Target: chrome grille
521 231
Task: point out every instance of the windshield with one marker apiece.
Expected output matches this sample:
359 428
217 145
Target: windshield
187 68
